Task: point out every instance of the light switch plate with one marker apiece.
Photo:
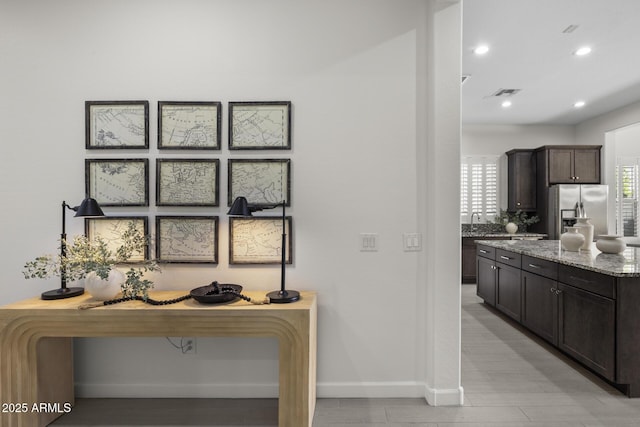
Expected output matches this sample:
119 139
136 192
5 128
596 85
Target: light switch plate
368 242
412 242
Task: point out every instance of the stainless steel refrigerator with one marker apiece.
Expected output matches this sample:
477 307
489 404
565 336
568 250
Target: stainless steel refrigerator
567 200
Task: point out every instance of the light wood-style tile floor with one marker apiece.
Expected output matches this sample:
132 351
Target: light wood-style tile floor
511 378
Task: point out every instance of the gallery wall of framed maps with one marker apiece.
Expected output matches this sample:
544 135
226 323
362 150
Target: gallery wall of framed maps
180 180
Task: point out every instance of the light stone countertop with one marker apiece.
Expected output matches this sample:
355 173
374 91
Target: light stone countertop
500 234
626 264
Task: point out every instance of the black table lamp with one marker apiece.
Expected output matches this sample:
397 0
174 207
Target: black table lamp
88 208
242 208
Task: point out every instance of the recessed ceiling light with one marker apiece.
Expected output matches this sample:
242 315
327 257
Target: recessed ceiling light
506 104
481 50
579 104
584 50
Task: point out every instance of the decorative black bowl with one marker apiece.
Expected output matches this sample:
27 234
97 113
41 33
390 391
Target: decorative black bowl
215 294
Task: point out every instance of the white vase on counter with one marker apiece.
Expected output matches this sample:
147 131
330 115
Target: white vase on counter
104 289
586 229
511 228
572 240
610 244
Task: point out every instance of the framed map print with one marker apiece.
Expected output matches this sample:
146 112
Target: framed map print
187 182
116 124
187 239
189 125
263 182
260 125
118 182
258 240
111 229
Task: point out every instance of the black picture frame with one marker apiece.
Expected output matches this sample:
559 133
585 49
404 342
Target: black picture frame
263 182
187 182
187 239
193 125
255 240
112 125
264 125
118 182
111 227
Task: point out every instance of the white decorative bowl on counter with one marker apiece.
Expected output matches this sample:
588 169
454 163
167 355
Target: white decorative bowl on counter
610 244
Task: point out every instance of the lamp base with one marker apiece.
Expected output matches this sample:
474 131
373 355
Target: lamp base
62 293
279 297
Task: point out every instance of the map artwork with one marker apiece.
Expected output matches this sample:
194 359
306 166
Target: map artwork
118 126
187 239
187 183
189 126
260 126
118 183
258 241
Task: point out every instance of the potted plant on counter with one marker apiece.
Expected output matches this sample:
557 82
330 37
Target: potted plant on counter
93 262
514 221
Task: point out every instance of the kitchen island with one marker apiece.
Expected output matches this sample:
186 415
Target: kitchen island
587 304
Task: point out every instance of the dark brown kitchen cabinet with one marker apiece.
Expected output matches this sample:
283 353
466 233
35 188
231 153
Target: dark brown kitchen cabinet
587 329
521 180
570 164
539 306
486 280
508 290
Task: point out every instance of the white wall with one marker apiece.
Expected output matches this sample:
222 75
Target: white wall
352 70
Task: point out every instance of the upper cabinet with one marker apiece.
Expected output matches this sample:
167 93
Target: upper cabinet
578 164
521 180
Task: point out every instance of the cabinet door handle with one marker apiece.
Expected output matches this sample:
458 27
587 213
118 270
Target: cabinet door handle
553 290
482 251
505 257
518 203
534 266
577 177
558 291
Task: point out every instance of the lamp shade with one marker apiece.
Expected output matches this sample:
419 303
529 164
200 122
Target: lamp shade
240 207
89 207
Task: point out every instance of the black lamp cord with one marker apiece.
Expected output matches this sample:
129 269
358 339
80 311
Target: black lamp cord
215 291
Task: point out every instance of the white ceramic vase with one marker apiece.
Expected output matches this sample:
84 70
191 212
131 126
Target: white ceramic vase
586 229
104 289
511 228
572 240
610 244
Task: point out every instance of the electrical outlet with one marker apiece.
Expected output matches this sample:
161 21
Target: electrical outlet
188 345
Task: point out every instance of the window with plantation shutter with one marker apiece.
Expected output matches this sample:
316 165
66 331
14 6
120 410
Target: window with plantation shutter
627 197
479 187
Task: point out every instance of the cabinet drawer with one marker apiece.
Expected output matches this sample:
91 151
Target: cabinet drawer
508 258
486 251
540 266
599 284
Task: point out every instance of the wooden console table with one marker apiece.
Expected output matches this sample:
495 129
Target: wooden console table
36 363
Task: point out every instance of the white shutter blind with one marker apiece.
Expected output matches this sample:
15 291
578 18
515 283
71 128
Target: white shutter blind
627 197
479 187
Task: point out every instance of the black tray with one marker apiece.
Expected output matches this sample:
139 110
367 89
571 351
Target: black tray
205 295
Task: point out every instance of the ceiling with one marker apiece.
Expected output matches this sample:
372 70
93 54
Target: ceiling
529 51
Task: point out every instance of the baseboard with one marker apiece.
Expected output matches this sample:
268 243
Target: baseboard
444 397
398 389
395 389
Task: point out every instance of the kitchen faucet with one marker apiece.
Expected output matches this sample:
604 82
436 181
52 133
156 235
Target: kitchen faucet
472 215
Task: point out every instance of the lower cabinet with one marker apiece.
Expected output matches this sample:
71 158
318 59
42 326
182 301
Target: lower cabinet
486 280
587 328
539 306
508 290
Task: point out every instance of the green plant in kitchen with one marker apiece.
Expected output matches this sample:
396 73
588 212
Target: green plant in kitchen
85 256
519 218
